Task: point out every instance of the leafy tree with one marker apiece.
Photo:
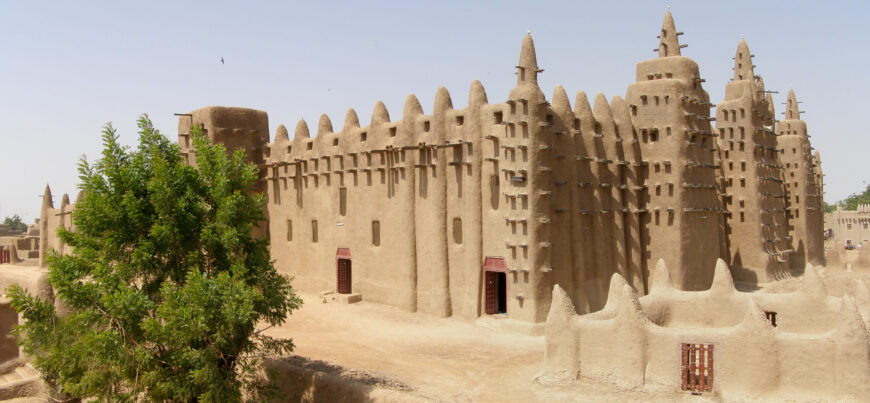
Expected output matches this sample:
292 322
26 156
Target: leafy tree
15 223
852 202
830 208
166 288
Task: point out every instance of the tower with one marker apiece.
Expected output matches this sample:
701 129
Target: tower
804 196
754 192
671 111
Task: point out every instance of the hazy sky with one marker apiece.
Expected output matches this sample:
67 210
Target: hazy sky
67 68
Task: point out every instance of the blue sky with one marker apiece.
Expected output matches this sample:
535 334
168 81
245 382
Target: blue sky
67 68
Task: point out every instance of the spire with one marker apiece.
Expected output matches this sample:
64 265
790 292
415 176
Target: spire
324 126
412 107
669 45
476 94
561 104
380 114
281 134
791 107
442 101
47 198
301 131
743 62
351 120
527 69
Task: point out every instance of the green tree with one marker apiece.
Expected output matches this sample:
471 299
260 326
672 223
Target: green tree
852 202
15 223
167 294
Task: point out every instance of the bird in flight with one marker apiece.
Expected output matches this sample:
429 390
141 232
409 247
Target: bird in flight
222 60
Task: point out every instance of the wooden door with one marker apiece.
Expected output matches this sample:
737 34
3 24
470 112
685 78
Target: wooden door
344 276
697 367
491 279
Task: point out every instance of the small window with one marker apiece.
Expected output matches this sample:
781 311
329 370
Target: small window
457 230
550 120
310 145
363 136
742 113
426 126
314 234
668 130
742 133
848 226
656 98
289 230
725 115
653 135
460 120
392 132
334 142
498 117
289 149
376 233
342 201
771 317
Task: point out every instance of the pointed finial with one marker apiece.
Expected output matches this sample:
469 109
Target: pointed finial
412 107
351 120
476 94
561 104
743 62
47 198
301 131
442 101
380 114
669 44
281 134
527 69
791 107
324 126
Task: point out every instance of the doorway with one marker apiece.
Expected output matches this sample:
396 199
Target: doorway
343 271
495 286
344 276
496 293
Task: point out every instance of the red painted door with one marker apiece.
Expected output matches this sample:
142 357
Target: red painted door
491 279
344 276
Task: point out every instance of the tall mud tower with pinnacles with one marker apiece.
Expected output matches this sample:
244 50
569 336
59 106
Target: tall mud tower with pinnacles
671 110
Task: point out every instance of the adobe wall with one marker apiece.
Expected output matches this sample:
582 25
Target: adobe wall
852 226
799 358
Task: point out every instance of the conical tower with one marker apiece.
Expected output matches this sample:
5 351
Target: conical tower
804 195
756 223
671 112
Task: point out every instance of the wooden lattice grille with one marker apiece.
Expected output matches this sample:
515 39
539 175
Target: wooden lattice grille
696 370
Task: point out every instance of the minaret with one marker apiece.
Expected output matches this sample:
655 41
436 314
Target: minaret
804 196
527 180
671 112
753 193
669 43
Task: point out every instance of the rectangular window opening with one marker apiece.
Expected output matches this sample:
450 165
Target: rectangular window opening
376 233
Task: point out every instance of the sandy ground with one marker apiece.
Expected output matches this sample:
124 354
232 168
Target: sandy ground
439 359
